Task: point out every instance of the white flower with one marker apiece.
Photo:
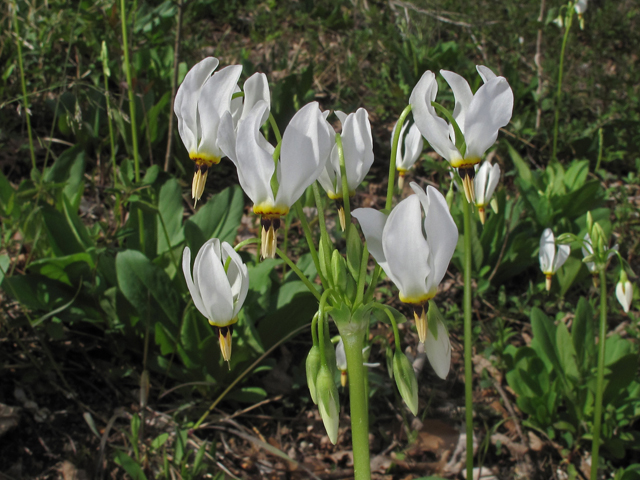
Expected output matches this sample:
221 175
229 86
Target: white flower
201 101
413 253
486 181
439 351
478 116
216 293
580 6
413 145
305 146
624 292
550 258
587 249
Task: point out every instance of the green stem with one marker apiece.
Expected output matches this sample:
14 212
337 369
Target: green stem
25 100
353 339
106 74
597 421
345 182
309 236
468 364
248 241
568 21
362 275
321 324
392 161
312 288
132 105
274 127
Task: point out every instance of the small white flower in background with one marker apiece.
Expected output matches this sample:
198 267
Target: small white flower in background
217 293
551 258
414 253
478 116
624 291
357 145
341 361
486 181
580 7
413 146
201 101
305 146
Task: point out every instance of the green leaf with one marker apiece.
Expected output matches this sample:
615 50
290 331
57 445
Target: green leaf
219 217
524 172
623 372
576 174
69 170
582 334
129 465
568 273
247 395
159 441
5 263
280 323
149 289
378 314
171 210
567 354
544 336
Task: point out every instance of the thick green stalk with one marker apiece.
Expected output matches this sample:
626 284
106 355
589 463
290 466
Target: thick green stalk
597 421
353 344
392 161
25 99
468 364
567 25
132 105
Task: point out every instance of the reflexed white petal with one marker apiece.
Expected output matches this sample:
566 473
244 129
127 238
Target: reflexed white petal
480 182
463 95
413 145
494 178
327 177
486 73
186 103
235 107
406 249
304 152
490 110
255 164
624 294
561 257
238 276
441 230
195 293
547 251
215 99
213 284
227 137
256 88
341 356
399 157
439 351
372 223
342 117
432 127
357 145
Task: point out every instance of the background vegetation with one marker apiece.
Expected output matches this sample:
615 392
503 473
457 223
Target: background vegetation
111 365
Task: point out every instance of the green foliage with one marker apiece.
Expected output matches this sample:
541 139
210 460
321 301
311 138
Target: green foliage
555 381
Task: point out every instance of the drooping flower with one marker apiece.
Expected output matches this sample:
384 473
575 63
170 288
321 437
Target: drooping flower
580 6
438 350
478 117
413 145
200 102
303 153
357 145
217 292
624 291
486 180
413 253
551 259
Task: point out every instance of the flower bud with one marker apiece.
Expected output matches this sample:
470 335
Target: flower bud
324 252
339 270
589 224
624 291
328 403
313 367
406 381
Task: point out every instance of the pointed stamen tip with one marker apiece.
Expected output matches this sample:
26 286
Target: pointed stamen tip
341 216
225 336
421 324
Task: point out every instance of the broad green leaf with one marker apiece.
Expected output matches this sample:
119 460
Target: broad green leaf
66 269
5 263
36 292
281 322
568 273
129 465
576 174
68 169
544 337
623 372
582 334
247 395
379 315
170 211
567 354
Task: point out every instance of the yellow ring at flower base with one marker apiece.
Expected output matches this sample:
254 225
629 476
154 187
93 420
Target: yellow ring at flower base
464 162
201 158
267 210
203 162
226 324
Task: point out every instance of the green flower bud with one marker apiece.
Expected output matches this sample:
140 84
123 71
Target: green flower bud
494 205
313 367
450 196
600 242
565 239
406 381
324 252
590 224
328 403
339 270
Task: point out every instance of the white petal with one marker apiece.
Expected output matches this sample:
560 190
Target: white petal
372 223
256 88
490 110
357 145
494 178
341 356
561 257
580 6
486 73
432 127
413 145
399 157
227 137
547 251
480 182
215 99
185 105
462 93
342 117
195 293
406 249
624 293
213 284
441 230
304 152
255 164
238 276
587 248
439 351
